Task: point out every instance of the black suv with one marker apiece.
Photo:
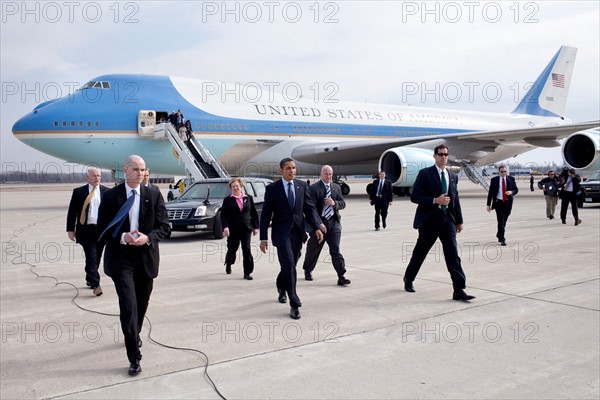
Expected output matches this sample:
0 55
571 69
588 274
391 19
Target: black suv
199 207
592 188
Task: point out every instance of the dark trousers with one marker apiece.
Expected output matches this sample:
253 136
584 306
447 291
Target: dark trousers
441 226
288 255
566 198
332 237
133 288
502 214
381 209
87 237
233 243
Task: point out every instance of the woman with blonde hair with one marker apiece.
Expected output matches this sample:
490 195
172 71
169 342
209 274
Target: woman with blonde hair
240 221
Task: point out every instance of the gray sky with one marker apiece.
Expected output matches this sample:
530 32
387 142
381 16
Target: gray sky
380 52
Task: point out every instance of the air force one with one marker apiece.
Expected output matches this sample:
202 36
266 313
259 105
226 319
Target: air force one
113 116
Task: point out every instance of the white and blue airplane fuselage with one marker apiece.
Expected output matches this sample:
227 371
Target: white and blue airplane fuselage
250 131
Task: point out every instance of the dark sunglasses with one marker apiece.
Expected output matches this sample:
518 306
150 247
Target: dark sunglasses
442 154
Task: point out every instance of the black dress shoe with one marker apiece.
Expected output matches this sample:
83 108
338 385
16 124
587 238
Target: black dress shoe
377 228
342 281
135 368
308 276
503 243
228 268
248 277
294 313
564 221
461 295
408 286
577 222
282 296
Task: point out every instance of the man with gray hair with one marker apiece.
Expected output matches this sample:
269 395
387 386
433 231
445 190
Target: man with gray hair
328 200
82 218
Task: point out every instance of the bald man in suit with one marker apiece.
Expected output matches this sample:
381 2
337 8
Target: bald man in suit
131 257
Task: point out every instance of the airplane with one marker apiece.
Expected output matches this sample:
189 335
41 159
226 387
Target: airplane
100 124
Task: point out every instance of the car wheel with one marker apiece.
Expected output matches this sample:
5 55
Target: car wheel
345 189
217 227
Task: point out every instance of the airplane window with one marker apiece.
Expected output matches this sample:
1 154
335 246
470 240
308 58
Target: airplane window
88 85
55 123
246 127
96 124
209 126
98 85
105 85
72 123
203 126
222 126
80 123
89 123
64 123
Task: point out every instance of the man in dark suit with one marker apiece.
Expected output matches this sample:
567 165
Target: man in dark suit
381 197
328 199
146 181
287 203
438 215
570 185
131 257
82 219
500 198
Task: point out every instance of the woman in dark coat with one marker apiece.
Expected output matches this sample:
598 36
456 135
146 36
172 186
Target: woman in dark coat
240 221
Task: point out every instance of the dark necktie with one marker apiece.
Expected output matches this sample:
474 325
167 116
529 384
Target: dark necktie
88 199
504 196
290 195
444 187
379 188
117 221
327 210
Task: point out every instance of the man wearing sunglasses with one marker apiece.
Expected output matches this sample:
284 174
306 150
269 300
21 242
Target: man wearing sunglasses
500 198
438 215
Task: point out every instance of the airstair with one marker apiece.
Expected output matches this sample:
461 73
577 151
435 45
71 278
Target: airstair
198 160
474 175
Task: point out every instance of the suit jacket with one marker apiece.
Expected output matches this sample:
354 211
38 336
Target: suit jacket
77 199
387 194
284 219
492 197
236 220
317 193
428 186
153 222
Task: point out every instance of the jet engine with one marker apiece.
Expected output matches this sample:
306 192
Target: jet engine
402 164
581 150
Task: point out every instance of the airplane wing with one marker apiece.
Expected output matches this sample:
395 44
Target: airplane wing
362 151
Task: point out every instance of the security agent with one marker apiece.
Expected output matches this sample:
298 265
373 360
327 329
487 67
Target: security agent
438 215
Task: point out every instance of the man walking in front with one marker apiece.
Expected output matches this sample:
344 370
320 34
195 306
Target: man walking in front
133 219
82 219
328 199
500 198
438 215
287 204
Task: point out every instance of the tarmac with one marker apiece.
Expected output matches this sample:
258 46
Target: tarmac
533 332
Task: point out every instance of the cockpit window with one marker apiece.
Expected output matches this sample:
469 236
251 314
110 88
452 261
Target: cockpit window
96 85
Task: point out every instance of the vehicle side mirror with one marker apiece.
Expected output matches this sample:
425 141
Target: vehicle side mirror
170 186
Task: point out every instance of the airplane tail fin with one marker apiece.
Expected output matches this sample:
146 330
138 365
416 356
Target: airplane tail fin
548 95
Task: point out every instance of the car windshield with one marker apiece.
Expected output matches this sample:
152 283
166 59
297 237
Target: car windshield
595 176
218 190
